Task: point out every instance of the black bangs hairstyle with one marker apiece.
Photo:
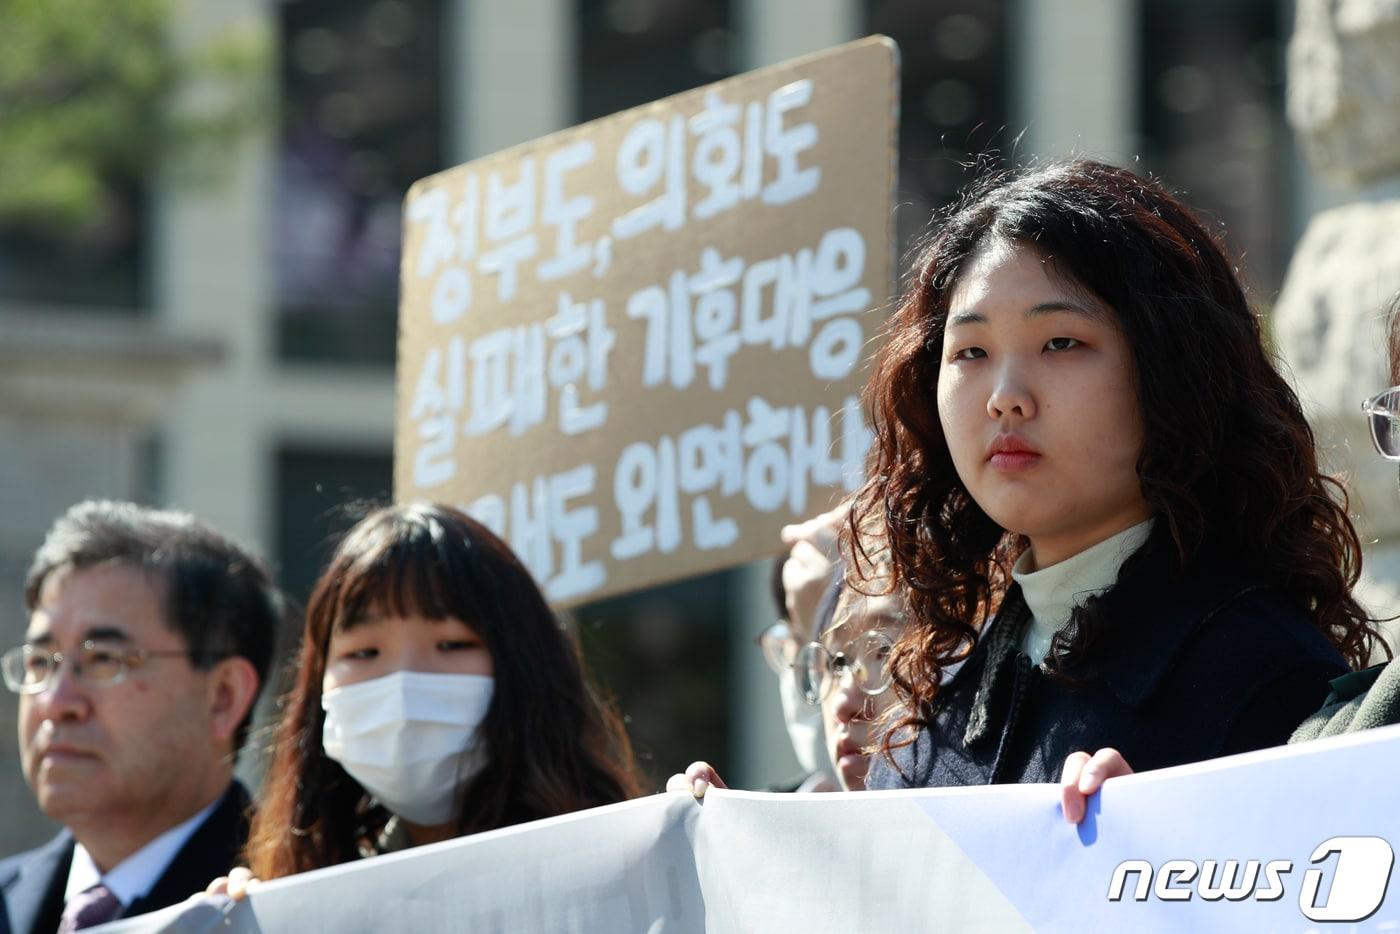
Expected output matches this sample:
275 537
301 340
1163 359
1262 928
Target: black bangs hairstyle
554 745
1229 467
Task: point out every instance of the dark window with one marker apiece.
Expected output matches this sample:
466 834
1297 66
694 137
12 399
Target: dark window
632 52
953 99
320 494
1211 100
361 88
663 652
664 655
98 264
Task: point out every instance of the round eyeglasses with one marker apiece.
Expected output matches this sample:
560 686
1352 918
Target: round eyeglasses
778 646
1383 414
30 669
863 658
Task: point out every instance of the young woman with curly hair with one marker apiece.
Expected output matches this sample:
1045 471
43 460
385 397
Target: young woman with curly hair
1360 700
436 695
1099 495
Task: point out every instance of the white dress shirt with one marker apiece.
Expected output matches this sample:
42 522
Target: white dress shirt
1052 593
136 875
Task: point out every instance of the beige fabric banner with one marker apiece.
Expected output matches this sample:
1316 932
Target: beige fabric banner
634 348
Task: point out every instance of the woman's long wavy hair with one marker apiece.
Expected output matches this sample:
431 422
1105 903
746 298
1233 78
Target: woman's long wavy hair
554 746
1228 467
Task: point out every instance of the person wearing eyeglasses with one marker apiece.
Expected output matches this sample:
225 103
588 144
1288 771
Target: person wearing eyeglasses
149 636
1359 700
840 676
805 583
845 672
802 585
1370 697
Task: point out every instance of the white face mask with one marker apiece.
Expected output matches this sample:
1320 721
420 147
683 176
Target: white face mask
804 726
410 738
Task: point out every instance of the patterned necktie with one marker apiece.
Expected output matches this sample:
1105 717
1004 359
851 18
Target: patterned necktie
88 908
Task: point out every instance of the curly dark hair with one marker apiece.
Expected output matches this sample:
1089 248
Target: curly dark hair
556 745
1228 467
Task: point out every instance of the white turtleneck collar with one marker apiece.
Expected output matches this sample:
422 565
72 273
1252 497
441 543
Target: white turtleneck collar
1052 593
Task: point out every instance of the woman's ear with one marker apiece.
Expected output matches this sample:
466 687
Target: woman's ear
233 689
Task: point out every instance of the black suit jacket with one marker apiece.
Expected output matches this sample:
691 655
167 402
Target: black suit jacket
32 883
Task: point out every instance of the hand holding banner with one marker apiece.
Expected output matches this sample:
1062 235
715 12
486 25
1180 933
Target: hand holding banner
1275 840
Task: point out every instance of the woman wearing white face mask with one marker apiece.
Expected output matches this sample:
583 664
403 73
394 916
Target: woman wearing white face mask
436 696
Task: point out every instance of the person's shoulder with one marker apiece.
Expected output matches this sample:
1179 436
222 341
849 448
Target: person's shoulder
1265 661
211 850
1246 668
884 777
1276 630
1184 631
225 828
908 764
1255 640
1214 604
54 851
11 865
31 886
1361 700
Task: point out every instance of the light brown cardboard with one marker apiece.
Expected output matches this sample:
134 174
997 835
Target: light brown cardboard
453 308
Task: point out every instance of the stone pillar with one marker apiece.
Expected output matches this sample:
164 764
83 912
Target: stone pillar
1344 104
212 273
1075 84
771 31
510 73
79 397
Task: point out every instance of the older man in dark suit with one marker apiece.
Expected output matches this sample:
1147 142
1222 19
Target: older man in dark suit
149 637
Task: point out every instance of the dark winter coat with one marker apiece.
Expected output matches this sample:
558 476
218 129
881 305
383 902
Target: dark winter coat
32 883
1189 667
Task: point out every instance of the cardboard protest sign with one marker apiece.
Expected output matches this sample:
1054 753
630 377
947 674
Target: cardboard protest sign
634 348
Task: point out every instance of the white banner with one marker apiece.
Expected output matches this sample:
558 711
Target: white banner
1290 839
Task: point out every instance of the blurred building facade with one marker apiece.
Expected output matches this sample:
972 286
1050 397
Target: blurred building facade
228 349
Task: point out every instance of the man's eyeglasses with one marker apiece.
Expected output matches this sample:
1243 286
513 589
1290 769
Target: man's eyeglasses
30 669
1383 414
863 658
